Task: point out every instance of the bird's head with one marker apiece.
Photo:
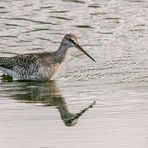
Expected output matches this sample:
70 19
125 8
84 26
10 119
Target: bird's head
70 40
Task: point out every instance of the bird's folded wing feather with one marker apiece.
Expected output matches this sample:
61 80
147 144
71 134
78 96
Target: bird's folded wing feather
19 63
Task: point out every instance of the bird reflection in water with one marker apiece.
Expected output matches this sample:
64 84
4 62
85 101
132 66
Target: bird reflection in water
47 94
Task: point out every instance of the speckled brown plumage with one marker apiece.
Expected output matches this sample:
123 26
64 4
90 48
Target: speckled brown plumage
38 66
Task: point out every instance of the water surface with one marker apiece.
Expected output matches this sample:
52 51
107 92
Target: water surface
87 104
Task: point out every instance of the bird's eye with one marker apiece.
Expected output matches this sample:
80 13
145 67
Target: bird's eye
72 40
69 39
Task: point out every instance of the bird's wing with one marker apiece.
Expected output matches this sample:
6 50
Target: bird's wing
19 64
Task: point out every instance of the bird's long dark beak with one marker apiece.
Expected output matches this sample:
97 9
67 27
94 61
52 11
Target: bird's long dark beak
82 50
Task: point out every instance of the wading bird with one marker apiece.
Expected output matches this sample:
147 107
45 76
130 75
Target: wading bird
38 66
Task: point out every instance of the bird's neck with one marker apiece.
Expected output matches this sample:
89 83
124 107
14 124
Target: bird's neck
61 52
63 48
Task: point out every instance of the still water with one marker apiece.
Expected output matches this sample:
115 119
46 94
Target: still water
86 104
